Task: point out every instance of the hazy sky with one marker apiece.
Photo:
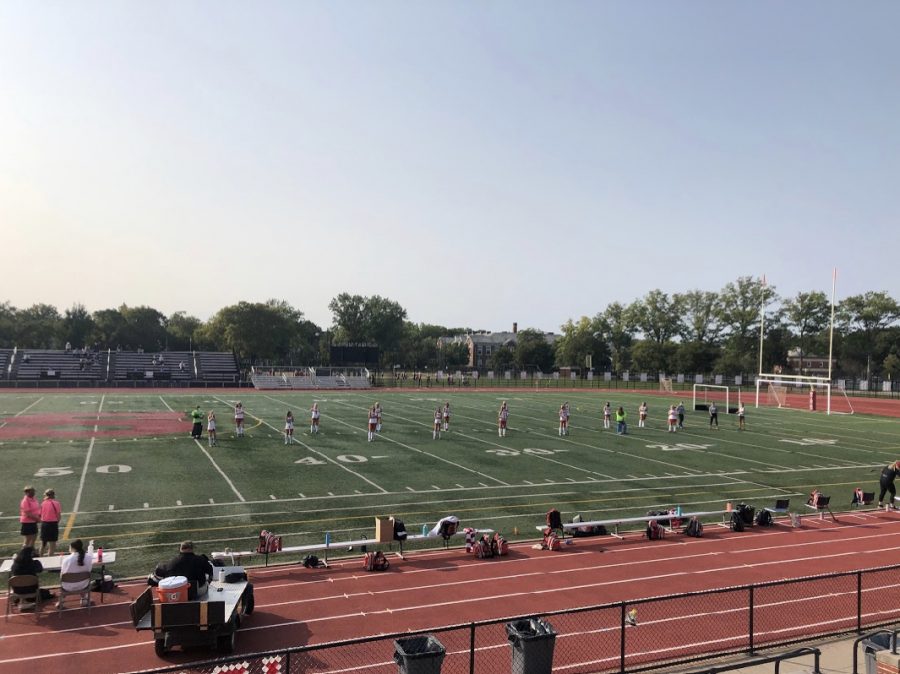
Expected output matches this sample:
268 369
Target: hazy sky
478 162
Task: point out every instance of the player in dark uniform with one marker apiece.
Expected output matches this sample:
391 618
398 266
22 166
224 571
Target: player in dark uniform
713 416
888 473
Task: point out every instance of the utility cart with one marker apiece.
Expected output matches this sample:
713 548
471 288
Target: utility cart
211 620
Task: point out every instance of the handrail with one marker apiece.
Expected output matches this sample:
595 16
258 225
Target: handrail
777 659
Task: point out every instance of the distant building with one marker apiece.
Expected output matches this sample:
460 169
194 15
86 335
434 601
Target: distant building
482 345
811 365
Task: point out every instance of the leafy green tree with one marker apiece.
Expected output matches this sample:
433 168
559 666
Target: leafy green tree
700 314
182 330
7 325
255 331
739 314
502 359
145 327
372 319
657 316
580 340
39 326
532 349
865 317
808 315
648 355
109 329
77 326
618 331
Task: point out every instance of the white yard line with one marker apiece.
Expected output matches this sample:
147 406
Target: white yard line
221 472
166 404
18 414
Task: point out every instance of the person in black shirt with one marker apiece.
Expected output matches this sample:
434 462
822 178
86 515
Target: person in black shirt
196 568
25 564
888 473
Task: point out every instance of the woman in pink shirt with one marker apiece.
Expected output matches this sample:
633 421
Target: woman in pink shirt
29 516
50 513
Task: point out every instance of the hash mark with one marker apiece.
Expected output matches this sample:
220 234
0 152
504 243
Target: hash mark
434 486
410 489
272 496
146 505
301 495
111 507
177 502
211 501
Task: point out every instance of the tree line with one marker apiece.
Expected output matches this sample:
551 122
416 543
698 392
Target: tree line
690 332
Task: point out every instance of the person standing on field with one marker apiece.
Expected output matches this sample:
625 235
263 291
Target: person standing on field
29 516
197 420
621 426
51 512
741 415
642 415
239 419
680 411
607 413
886 482
713 415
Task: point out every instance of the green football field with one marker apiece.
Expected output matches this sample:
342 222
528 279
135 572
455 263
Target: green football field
126 465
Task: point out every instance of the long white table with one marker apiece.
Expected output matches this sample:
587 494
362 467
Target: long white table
55 562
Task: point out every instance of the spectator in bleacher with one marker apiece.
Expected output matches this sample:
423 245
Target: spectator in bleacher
26 358
181 366
68 347
50 515
161 359
29 516
196 568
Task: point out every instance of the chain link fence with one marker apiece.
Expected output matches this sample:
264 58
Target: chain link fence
632 636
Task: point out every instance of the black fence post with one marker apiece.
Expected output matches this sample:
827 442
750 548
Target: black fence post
472 648
859 601
750 620
622 639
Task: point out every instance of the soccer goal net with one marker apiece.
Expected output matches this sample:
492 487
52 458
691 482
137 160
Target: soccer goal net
803 393
665 384
706 394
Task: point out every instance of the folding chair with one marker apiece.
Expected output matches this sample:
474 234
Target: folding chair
822 506
73 578
867 499
32 584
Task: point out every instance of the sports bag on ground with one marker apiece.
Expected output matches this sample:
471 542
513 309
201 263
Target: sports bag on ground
268 542
551 540
736 522
500 545
694 528
483 549
747 512
375 561
764 518
663 523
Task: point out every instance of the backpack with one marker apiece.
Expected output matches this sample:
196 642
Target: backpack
736 522
654 530
448 528
483 549
106 584
554 519
663 523
551 540
399 530
694 528
764 518
375 561
268 542
310 562
746 512
502 545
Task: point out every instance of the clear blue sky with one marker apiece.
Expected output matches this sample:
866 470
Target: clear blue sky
478 162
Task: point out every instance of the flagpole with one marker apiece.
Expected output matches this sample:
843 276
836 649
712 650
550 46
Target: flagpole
831 331
762 319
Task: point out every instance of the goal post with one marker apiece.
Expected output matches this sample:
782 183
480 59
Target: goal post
665 385
804 392
704 394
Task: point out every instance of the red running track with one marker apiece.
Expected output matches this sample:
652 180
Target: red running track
297 606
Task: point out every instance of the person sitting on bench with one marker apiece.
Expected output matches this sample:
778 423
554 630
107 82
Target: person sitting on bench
196 568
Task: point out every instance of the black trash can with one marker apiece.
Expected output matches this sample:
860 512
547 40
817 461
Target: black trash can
532 642
876 642
419 655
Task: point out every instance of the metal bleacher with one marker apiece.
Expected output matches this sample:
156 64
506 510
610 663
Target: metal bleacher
60 365
217 366
153 366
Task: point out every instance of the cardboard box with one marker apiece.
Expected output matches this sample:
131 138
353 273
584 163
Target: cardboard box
384 529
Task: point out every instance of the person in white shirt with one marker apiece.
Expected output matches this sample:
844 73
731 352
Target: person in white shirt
436 429
76 562
741 416
642 415
314 419
239 419
211 428
289 428
607 413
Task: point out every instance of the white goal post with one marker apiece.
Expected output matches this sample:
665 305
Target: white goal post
783 386
706 393
665 385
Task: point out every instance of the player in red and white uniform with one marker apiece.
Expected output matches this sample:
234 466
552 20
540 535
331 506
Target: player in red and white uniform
563 420
445 415
438 419
239 419
211 428
373 423
502 419
607 413
673 419
314 419
289 428
378 417
642 415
